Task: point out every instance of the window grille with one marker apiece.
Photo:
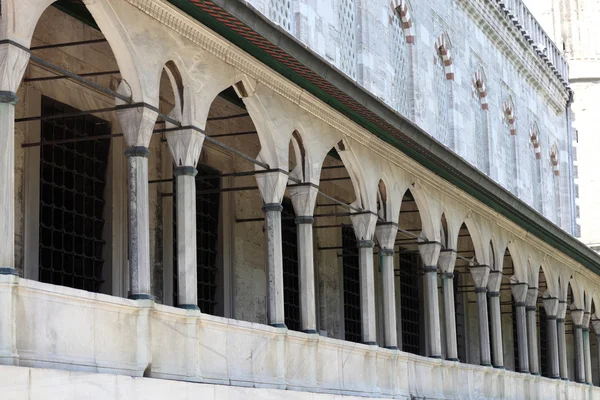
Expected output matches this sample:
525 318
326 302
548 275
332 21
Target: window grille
208 201
400 99
281 13
347 16
72 183
442 102
410 288
291 284
459 306
543 322
351 272
515 335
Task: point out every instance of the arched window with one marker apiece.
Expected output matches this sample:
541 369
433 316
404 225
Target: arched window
347 18
509 120
479 91
443 75
556 183
402 35
536 166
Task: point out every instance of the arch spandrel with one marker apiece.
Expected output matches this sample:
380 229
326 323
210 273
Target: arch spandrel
481 235
20 18
519 259
500 238
455 214
396 181
429 203
578 289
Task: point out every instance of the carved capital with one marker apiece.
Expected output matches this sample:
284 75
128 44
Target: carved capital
12 66
185 146
532 294
519 291
577 316
137 124
480 275
430 253
596 326
447 261
551 306
364 225
304 198
494 281
386 235
272 186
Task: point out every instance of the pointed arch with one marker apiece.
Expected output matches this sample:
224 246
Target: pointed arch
554 159
479 89
534 138
442 51
508 115
403 9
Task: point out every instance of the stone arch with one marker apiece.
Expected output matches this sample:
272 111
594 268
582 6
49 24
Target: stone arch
554 159
519 262
481 240
508 115
403 8
430 211
442 50
534 138
479 89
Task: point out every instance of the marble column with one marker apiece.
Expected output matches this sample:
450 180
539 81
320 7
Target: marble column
185 146
272 187
364 228
447 262
137 125
494 282
551 308
304 198
532 337
587 356
14 61
429 256
386 237
577 316
480 275
562 340
519 292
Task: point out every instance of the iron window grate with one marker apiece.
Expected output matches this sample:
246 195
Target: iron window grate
409 302
351 273
207 238
291 284
72 183
544 367
515 337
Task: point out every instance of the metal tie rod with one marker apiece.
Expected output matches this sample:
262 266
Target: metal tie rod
68 44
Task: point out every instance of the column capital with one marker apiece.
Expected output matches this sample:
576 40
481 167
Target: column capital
519 292
531 299
551 306
386 235
447 261
430 253
562 310
14 61
585 322
304 198
137 124
494 281
577 316
271 185
185 146
480 275
596 326
364 225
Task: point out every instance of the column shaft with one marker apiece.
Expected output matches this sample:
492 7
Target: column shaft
274 260
484 333
553 347
562 349
432 313
496 326
587 356
7 185
532 341
389 298
367 291
449 316
522 338
306 275
579 355
187 268
139 234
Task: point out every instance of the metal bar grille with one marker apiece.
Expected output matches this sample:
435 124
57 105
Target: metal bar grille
351 274
291 284
459 307
410 302
72 183
516 343
207 238
544 367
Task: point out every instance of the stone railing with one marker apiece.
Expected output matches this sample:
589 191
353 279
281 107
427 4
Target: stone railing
47 326
518 14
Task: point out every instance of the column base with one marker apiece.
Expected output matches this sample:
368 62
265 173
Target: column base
392 347
523 372
437 357
564 379
310 331
535 373
498 366
8 271
278 325
141 296
189 307
453 359
486 365
370 343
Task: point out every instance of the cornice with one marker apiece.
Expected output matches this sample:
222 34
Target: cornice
180 22
513 45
